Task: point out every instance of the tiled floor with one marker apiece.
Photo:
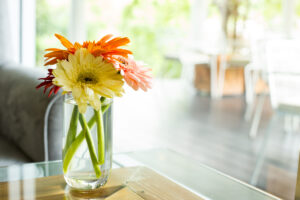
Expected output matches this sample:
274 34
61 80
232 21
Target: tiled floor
211 131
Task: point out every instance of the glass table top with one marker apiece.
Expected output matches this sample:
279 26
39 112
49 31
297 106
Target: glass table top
206 182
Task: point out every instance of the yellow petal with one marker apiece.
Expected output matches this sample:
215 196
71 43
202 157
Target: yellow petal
88 78
95 102
82 107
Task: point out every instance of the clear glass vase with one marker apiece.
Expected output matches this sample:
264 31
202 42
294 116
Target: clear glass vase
87 144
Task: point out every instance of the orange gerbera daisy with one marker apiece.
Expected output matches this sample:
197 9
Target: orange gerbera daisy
135 73
107 47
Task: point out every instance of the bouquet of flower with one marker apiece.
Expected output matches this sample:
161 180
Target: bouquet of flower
92 72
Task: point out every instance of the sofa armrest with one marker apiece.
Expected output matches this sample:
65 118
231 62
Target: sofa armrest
22 110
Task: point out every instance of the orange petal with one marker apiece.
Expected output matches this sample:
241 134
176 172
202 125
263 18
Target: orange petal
51 62
86 44
116 42
71 50
64 41
91 47
53 49
104 39
48 58
97 51
115 54
77 45
56 53
60 57
125 51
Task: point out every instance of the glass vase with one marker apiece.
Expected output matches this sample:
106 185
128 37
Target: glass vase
87 144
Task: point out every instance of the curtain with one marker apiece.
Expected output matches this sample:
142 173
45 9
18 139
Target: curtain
9 31
4 32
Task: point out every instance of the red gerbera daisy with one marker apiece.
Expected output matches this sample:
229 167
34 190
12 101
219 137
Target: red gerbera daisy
47 83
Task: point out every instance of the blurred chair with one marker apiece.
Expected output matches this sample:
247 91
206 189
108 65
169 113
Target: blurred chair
283 69
283 72
202 53
189 57
218 55
253 72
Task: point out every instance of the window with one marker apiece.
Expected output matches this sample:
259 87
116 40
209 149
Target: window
156 27
52 16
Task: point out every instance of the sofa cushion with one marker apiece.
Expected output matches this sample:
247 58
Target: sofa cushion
10 153
22 109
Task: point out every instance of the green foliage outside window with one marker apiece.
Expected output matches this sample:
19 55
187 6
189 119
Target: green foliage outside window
157 28
298 8
51 17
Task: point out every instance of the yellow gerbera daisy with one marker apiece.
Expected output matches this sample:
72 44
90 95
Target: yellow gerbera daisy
88 78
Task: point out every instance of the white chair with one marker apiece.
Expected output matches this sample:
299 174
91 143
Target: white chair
195 53
283 76
283 68
283 72
284 80
253 71
238 53
189 57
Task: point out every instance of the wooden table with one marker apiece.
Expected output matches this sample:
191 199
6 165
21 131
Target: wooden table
188 179
133 183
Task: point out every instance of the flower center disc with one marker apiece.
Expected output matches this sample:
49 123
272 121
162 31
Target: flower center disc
87 78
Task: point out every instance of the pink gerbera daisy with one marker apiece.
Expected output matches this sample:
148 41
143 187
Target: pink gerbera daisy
135 74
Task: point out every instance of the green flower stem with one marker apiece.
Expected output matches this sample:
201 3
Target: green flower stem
90 144
105 108
100 136
74 146
77 142
72 129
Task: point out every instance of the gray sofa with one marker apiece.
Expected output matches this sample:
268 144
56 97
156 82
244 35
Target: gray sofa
22 110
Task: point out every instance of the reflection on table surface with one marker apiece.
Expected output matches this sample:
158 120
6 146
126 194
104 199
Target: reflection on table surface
192 175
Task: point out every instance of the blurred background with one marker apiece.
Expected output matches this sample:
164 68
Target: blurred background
226 89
